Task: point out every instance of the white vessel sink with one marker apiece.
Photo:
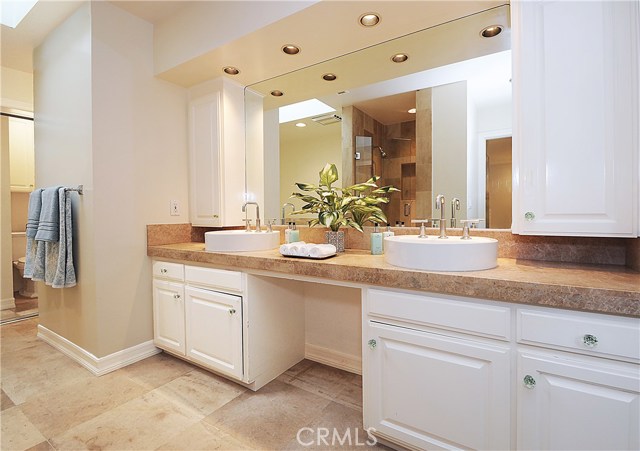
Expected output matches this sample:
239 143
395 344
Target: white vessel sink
240 241
434 254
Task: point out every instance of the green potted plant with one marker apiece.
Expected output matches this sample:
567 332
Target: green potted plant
352 206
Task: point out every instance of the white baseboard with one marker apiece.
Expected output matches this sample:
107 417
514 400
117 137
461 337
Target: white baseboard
7 303
98 365
333 358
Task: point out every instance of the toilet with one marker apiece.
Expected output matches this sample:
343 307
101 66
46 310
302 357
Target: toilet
28 289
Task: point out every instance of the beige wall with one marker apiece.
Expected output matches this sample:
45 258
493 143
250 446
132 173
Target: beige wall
16 89
103 121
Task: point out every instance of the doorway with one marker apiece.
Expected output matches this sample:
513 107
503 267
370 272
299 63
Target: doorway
498 183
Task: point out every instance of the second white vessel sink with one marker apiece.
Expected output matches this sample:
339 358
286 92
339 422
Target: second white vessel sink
434 254
240 241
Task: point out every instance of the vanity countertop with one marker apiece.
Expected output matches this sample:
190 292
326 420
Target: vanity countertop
602 289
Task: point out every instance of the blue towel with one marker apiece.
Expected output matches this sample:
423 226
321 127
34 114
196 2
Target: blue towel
33 212
49 224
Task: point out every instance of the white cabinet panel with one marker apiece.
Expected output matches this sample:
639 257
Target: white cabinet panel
433 391
577 403
214 330
168 315
21 154
575 86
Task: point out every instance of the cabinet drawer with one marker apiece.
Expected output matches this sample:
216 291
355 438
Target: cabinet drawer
607 337
214 278
430 310
168 270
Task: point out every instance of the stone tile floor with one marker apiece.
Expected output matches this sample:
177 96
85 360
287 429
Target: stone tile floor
50 402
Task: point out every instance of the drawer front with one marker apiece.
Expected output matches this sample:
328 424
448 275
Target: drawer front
430 310
168 270
214 278
603 336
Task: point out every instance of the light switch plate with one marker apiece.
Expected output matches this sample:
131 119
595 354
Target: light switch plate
174 208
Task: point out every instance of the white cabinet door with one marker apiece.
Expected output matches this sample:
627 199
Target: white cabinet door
214 330
575 95
21 154
434 391
168 316
577 404
205 147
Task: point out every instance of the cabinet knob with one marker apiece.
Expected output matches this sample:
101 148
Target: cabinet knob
529 216
232 311
372 343
590 341
163 270
176 296
529 382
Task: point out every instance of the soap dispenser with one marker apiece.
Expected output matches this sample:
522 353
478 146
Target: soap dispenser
294 233
287 233
376 240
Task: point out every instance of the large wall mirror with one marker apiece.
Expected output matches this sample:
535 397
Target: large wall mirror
437 123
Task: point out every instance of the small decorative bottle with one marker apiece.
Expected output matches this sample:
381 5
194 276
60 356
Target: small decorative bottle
386 233
294 233
376 241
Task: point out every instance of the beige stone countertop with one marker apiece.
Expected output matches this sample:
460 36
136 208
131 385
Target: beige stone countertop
603 289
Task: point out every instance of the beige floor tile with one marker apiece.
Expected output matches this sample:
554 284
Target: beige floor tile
17 431
143 423
270 417
58 410
200 391
203 436
44 446
6 401
157 370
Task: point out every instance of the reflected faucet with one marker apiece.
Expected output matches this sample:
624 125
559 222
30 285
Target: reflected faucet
455 205
443 223
244 210
284 206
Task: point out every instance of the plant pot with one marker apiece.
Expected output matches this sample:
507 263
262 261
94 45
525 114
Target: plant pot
335 238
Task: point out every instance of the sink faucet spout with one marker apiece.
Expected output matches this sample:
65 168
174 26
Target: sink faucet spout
443 224
284 206
244 210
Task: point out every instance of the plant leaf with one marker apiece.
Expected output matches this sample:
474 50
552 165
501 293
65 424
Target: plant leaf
328 175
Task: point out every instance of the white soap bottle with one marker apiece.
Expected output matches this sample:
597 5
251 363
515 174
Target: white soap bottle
376 241
287 234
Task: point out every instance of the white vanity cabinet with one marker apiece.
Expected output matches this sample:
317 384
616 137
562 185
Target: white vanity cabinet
431 377
576 105
578 381
168 306
216 153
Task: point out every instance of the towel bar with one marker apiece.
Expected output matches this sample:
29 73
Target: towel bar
79 189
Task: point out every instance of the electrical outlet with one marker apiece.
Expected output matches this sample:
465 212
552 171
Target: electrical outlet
174 208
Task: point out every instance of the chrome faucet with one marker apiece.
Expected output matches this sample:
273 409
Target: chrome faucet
284 206
244 210
455 205
443 223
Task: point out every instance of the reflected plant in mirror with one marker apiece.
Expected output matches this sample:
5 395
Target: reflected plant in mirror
352 206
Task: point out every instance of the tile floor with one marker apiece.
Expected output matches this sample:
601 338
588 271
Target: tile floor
49 402
25 307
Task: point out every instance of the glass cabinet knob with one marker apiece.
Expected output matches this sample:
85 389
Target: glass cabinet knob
529 381
232 311
590 340
176 296
529 216
372 343
163 270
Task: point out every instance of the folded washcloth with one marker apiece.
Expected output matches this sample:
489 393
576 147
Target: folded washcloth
303 251
322 250
33 212
49 223
295 248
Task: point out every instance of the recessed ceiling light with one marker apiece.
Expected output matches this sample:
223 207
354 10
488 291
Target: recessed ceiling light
291 49
369 19
491 31
399 57
230 70
412 111
301 124
329 77
277 93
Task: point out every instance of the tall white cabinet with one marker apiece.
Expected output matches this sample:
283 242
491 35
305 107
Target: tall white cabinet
576 96
216 153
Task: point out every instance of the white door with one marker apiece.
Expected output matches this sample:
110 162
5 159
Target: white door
168 316
577 404
214 330
434 391
575 93
21 154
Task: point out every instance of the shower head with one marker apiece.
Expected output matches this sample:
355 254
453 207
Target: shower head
383 154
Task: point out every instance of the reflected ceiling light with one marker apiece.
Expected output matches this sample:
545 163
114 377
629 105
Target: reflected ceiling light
329 77
301 124
230 70
491 31
301 110
411 111
291 49
399 57
369 19
277 93
12 12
